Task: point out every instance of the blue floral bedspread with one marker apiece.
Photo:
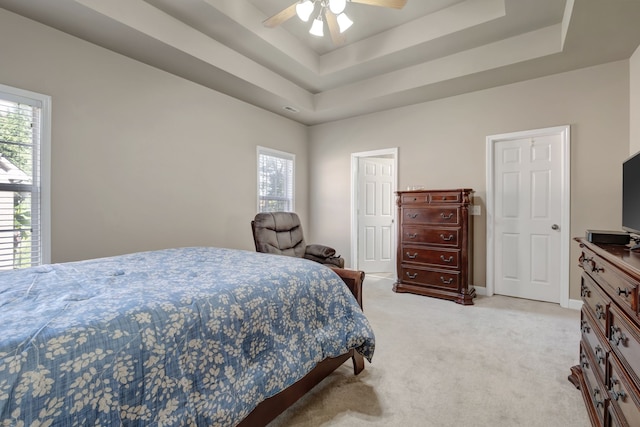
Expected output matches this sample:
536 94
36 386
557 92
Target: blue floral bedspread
190 336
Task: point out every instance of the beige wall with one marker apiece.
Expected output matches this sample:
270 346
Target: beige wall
142 159
442 145
634 102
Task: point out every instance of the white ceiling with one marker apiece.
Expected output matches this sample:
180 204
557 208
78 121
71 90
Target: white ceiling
430 49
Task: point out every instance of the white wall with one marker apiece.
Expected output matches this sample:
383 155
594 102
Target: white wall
142 159
442 145
634 102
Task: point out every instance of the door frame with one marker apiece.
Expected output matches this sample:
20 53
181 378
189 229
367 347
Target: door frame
565 196
385 152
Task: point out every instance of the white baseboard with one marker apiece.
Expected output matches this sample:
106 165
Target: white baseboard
574 304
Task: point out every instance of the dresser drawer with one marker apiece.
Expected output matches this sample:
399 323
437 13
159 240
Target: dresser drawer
432 236
595 391
445 197
435 257
414 198
596 343
428 215
623 395
624 339
430 277
621 288
595 300
431 197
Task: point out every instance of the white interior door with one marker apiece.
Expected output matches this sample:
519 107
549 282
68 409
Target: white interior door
375 214
528 216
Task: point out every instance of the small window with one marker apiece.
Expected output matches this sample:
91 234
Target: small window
275 180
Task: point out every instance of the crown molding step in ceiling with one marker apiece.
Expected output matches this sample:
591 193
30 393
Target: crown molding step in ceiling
394 52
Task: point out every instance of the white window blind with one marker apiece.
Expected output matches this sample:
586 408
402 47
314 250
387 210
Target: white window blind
275 180
21 219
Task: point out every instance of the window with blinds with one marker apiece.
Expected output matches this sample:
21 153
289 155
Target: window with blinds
275 180
21 233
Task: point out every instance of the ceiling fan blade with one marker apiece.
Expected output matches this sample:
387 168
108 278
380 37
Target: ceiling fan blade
280 17
332 22
395 4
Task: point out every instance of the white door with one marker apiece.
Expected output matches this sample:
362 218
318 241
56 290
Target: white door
528 216
375 214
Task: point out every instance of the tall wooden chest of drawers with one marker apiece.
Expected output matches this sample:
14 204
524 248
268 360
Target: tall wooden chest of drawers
609 370
435 244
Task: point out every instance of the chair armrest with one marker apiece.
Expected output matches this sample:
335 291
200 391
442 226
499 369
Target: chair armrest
353 279
320 251
333 262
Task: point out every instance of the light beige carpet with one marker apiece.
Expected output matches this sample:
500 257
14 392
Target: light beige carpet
502 362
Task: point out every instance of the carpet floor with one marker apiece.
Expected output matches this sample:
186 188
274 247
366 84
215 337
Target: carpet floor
501 362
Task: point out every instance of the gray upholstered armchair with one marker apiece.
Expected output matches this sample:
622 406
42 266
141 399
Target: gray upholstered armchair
281 233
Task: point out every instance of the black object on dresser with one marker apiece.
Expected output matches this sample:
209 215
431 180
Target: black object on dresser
435 242
609 371
608 237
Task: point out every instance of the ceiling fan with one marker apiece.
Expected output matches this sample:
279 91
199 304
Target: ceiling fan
332 11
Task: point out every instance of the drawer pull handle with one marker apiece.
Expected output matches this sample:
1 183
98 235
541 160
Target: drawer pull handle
450 259
584 260
414 256
584 326
595 268
585 292
624 291
600 311
412 276
446 239
584 362
412 235
596 393
449 216
599 354
617 336
412 215
446 282
617 395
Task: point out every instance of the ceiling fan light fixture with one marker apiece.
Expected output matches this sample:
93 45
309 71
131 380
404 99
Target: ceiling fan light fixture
304 9
317 28
344 22
337 6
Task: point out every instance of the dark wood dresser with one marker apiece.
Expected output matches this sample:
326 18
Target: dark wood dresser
435 244
609 371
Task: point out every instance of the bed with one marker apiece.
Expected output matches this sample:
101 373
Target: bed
190 336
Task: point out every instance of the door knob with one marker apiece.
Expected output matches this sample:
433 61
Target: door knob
555 227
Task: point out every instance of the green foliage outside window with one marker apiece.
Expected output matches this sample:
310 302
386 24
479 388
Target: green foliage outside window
16 136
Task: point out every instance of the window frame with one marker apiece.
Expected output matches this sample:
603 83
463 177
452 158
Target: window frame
281 155
43 174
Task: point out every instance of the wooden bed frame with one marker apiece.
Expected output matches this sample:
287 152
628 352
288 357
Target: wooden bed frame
269 409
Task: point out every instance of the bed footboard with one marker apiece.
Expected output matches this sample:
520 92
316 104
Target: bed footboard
353 279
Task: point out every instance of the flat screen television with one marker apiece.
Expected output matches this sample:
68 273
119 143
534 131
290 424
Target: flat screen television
631 196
